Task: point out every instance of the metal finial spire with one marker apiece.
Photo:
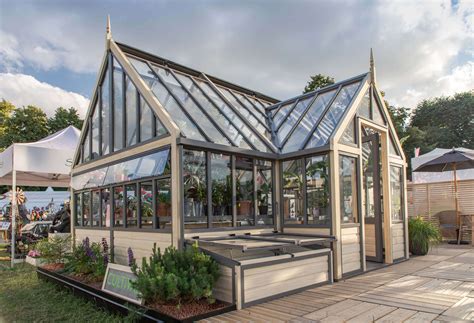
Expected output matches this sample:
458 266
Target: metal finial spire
372 67
108 29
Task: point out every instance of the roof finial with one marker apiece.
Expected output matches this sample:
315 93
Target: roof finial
108 31
372 67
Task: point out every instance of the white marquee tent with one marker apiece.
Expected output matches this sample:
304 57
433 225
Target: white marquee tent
46 162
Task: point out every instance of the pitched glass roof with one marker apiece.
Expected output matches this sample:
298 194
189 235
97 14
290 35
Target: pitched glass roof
209 109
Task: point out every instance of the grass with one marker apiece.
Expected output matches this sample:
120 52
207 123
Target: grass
25 298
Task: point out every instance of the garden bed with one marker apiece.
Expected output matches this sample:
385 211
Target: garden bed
194 311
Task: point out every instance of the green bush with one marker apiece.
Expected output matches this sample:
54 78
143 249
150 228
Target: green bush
89 259
176 276
422 235
54 250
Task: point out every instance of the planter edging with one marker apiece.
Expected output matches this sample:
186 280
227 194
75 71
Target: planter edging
117 305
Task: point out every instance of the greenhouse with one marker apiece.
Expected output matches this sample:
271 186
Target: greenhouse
171 155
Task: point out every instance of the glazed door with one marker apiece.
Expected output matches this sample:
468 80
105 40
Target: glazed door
372 197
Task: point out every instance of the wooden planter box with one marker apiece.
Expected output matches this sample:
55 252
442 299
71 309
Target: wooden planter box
117 305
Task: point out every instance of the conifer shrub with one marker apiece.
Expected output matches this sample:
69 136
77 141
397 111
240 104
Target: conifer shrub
176 276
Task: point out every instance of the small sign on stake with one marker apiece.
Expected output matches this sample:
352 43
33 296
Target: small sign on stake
117 281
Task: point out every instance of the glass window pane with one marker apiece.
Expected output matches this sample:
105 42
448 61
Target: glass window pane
146 119
118 110
167 101
309 120
95 132
378 114
348 136
363 109
106 207
264 193
333 116
293 192
160 129
317 190
391 148
105 113
348 189
146 204
293 118
96 208
78 209
118 206
221 181
86 148
163 203
86 209
191 107
217 115
281 113
132 204
245 197
235 119
396 193
195 189
131 112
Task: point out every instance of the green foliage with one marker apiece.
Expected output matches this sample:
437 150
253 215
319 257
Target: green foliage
90 260
422 235
176 276
54 250
24 125
318 81
63 118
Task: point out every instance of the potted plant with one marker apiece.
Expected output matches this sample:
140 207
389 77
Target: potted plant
164 203
262 196
245 195
422 235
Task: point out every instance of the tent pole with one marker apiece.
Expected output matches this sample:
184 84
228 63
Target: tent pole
13 218
458 222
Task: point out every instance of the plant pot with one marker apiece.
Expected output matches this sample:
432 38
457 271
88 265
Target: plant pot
263 209
244 208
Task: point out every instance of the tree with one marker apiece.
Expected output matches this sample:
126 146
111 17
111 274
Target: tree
6 109
400 117
63 118
318 81
24 125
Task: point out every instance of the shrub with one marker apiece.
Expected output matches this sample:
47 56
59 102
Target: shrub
54 250
422 235
89 259
176 276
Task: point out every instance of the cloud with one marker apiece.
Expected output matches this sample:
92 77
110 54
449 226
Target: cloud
23 90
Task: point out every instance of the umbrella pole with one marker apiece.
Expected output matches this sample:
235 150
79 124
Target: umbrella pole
458 222
13 219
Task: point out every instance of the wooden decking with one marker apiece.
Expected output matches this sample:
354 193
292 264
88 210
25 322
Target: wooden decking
438 287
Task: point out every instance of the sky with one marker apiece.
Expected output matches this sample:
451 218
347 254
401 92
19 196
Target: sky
50 51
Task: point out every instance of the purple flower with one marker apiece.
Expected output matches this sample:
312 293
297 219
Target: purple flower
85 243
131 259
106 259
90 253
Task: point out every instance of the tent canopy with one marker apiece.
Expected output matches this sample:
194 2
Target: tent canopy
46 162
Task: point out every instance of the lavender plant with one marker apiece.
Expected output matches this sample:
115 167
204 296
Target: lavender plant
89 259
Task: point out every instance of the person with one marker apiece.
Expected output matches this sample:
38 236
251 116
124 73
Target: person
62 220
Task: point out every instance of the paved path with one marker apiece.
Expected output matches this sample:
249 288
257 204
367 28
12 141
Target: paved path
438 287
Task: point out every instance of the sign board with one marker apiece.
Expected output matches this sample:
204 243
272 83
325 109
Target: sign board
4 226
117 282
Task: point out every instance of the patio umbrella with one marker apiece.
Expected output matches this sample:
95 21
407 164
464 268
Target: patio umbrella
451 161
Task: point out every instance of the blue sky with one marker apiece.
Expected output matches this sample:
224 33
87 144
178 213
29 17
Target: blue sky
50 51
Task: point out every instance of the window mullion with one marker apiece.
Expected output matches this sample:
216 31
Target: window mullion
304 191
209 189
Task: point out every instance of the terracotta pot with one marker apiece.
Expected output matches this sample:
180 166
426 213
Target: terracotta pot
244 208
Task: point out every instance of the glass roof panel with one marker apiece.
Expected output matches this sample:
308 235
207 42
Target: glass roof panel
233 116
348 136
191 107
364 106
279 115
218 116
258 105
378 115
244 112
246 102
309 120
294 116
333 116
167 101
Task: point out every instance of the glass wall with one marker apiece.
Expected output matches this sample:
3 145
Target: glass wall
348 189
306 186
78 208
134 193
221 183
245 191
396 192
264 187
293 212
317 191
195 189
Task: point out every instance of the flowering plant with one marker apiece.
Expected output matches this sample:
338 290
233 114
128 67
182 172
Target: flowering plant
89 259
34 254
